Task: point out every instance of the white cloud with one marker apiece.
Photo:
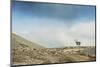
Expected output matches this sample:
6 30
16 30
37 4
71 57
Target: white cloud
57 35
84 29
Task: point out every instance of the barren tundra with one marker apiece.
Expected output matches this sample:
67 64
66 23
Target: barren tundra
25 52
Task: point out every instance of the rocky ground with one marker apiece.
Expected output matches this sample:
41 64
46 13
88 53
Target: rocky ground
26 55
25 52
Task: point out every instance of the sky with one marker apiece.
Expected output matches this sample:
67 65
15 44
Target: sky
54 25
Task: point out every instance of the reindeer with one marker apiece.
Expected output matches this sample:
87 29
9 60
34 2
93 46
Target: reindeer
78 43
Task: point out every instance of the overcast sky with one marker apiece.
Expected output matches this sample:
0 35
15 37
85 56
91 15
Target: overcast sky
54 25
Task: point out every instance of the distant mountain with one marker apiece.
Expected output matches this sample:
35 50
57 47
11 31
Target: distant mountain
19 42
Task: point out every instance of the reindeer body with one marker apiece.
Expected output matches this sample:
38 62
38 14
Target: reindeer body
77 42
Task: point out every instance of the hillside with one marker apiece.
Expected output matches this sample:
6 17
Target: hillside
18 42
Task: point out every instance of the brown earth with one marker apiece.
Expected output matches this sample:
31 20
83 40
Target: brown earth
48 55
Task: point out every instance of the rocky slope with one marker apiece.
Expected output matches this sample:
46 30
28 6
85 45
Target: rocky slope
19 42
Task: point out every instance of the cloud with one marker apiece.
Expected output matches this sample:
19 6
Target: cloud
60 11
58 34
84 29
85 32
